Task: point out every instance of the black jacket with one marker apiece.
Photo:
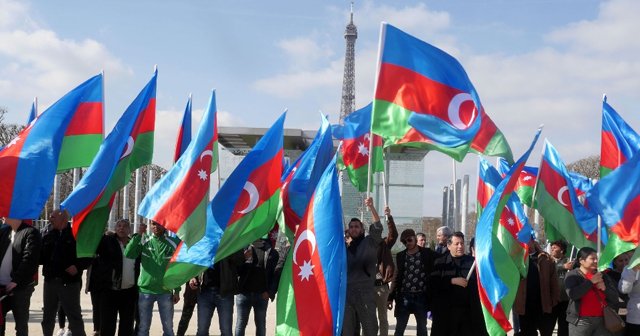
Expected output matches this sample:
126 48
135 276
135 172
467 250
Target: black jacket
577 286
59 253
26 252
428 257
224 275
259 276
106 268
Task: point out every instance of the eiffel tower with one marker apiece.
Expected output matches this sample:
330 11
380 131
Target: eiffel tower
352 200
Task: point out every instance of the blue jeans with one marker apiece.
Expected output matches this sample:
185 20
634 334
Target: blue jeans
245 302
208 300
145 310
407 304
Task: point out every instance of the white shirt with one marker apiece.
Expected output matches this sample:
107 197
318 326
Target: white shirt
7 263
630 284
128 270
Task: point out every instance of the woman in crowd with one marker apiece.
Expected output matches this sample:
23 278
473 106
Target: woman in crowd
589 292
630 284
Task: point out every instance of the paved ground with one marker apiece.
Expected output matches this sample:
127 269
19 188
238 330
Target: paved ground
156 328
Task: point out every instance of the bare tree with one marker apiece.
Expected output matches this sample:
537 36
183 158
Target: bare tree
589 166
7 131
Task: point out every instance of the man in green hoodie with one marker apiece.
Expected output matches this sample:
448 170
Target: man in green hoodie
155 250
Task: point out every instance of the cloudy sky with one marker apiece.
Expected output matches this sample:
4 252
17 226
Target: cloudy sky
532 61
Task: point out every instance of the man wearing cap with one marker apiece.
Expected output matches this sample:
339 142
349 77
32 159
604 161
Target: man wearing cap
19 255
410 288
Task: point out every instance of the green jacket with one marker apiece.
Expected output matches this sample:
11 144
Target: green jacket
156 253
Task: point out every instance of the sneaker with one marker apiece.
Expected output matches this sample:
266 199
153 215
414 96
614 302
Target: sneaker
60 332
67 333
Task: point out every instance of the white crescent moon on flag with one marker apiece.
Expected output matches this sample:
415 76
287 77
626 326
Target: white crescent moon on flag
454 110
560 193
254 197
129 147
305 235
205 153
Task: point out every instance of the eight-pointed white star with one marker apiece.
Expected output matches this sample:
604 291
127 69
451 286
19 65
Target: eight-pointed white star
527 178
362 149
13 142
202 174
510 221
306 270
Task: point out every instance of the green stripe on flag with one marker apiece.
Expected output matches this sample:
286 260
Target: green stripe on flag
390 120
192 230
286 311
91 231
249 227
615 247
178 271
562 220
604 171
635 259
498 146
525 194
78 151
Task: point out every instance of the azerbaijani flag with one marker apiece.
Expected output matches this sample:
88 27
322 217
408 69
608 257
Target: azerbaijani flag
514 230
488 180
616 198
184 133
498 275
244 209
490 140
301 178
355 152
179 199
619 141
29 162
128 147
558 202
526 181
83 136
312 291
424 99
34 112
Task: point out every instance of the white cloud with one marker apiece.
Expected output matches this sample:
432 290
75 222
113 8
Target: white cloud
36 61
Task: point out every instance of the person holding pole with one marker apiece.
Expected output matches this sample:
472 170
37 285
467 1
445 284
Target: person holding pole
386 269
362 252
456 305
563 265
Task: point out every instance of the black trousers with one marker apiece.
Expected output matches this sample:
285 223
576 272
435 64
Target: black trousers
18 302
114 303
68 295
559 315
531 322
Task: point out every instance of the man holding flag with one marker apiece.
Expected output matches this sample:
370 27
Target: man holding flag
361 271
155 250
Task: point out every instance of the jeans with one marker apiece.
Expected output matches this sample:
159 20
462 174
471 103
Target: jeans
245 302
360 310
406 305
382 294
145 309
209 299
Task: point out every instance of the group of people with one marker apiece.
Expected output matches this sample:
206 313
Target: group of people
440 284
125 279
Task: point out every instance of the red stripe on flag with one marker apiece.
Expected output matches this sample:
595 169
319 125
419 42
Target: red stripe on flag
266 179
309 285
86 120
486 132
497 313
9 158
611 156
419 94
628 228
352 150
553 183
187 195
485 191
146 119
291 218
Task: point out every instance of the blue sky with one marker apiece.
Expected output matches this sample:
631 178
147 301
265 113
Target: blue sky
532 61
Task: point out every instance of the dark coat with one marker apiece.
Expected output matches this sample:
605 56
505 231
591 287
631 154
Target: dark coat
549 286
59 253
106 268
259 275
25 255
428 258
577 286
224 275
385 259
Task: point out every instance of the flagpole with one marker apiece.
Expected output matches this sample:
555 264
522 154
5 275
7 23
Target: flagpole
56 192
136 200
473 267
455 199
149 185
385 186
464 204
535 188
125 201
599 238
35 103
375 86
218 168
